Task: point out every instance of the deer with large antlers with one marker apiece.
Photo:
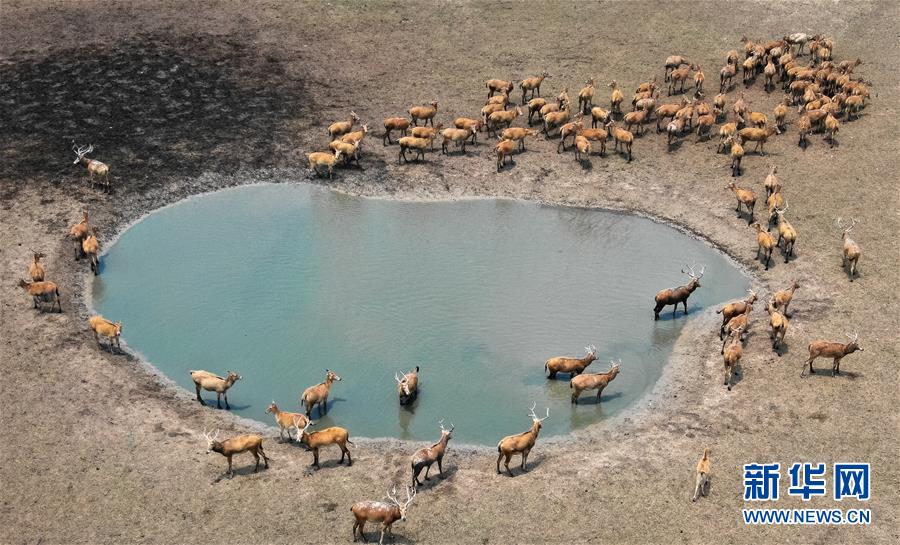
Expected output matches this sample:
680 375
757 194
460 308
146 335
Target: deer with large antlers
425 457
521 443
593 381
318 394
850 249
236 445
385 512
323 438
95 168
407 386
835 350
679 295
572 366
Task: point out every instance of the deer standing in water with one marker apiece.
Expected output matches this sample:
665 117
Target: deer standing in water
676 296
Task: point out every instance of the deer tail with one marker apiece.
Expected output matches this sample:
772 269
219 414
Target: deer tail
719 311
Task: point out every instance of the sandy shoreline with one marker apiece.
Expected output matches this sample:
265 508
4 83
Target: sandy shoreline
100 438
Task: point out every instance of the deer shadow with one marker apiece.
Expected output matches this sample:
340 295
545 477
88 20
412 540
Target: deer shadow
434 479
232 407
586 165
824 372
243 470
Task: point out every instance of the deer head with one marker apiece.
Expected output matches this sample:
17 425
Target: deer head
537 421
331 376
695 278
403 506
81 152
853 345
211 440
445 431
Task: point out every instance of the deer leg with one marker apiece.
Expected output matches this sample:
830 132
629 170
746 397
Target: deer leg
836 368
225 394
697 487
440 468
499 457
218 400
685 306
343 453
230 469
506 463
316 457
263 453
255 455
525 458
381 541
200 399
809 361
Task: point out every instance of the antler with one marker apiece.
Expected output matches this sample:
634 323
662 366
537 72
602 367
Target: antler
531 411
409 497
853 338
690 271
590 349
398 378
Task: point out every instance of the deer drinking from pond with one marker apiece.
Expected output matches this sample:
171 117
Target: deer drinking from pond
826 349
214 383
573 366
318 394
521 443
95 168
407 386
593 381
425 457
385 512
676 296
236 445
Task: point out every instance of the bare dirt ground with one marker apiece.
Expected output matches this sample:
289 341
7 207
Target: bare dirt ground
184 97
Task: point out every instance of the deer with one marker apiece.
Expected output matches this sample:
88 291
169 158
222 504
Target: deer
701 484
319 394
586 97
407 386
732 355
744 197
782 298
779 325
236 445
620 136
786 232
532 84
286 421
340 128
593 381
95 168
214 383
323 438
521 443
91 248
79 232
615 98
105 328
772 183
765 244
676 296
741 321
850 249
36 270
42 292
835 350
572 366
425 457
385 512
735 308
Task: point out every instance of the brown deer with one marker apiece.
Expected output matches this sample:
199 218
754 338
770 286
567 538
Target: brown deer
740 322
319 394
105 328
286 421
385 512
42 292
36 270
765 244
573 366
94 167
676 296
79 232
425 457
407 386
732 355
826 349
850 249
214 383
744 197
701 485
735 308
323 438
593 381
782 298
521 443
779 325
236 445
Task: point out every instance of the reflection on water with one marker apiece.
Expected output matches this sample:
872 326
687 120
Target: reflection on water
280 282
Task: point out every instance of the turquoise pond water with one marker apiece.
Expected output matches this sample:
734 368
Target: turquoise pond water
279 282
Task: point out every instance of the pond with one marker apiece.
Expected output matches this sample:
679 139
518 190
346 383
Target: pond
279 282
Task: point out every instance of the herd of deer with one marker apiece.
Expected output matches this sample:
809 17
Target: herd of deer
822 88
